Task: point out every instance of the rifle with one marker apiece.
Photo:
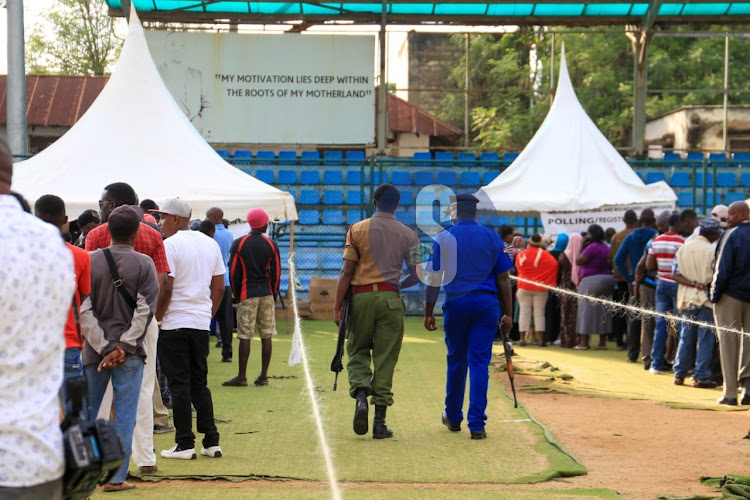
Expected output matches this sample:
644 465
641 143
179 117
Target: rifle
508 349
336 365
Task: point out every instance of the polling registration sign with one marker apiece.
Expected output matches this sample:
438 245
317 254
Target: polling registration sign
277 89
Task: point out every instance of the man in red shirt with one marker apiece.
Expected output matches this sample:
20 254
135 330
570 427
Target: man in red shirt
149 242
51 209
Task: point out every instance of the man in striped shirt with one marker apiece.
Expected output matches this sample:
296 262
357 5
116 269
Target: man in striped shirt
660 258
254 274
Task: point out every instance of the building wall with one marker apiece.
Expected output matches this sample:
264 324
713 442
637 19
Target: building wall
405 145
430 59
700 128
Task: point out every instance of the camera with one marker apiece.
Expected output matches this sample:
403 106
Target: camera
93 450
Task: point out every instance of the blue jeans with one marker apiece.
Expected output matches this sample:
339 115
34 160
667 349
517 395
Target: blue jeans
666 301
126 384
470 324
72 367
690 335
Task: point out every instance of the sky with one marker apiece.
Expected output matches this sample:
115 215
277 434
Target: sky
32 10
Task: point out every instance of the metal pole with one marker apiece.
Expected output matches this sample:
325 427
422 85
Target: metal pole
552 71
382 91
726 92
16 117
467 85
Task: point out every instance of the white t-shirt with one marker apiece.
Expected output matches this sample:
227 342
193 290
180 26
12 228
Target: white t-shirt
36 290
194 259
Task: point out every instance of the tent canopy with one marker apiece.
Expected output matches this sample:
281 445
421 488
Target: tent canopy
135 132
569 165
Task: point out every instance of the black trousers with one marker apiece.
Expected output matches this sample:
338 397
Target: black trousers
225 319
552 318
182 355
619 319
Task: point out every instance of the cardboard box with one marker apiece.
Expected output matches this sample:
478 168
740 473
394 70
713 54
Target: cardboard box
321 310
322 289
302 305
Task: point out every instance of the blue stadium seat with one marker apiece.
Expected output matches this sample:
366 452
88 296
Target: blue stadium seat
400 178
263 157
726 179
287 157
470 179
244 168
423 178
355 157
242 157
483 219
284 283
333 244
333 217
422 159
680 179
497 220
293 193
652 177
466 159
309 217
310 158
685 199
490 159
353 177
446 178
335 177
307 261
333 197
309 177
309 197
504 219
426 218
332 158
407 198
380 178
354 197
224 153
733 196
444 158
405 217
304 281
694 157
745 179
509 158
742 159
264 176
710 200
720 157
331 262
488 177
699 179
353 216
287 177
671 158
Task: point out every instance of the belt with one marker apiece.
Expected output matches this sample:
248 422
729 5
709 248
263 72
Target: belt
375 287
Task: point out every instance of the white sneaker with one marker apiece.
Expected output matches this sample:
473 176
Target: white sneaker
179 454
212 451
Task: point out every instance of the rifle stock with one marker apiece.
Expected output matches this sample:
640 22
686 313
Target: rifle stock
337 365
508 351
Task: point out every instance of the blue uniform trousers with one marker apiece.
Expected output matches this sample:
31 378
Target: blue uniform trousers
470 323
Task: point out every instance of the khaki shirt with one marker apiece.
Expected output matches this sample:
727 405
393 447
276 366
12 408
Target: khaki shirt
617 240
380 245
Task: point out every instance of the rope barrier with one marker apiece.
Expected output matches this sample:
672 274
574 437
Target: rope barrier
299 352
635 312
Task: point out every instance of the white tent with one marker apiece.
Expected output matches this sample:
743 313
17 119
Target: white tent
569 166
135 132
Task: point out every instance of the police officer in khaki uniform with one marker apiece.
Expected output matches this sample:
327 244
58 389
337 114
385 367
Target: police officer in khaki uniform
374 256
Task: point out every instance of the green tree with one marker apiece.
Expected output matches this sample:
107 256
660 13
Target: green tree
77 38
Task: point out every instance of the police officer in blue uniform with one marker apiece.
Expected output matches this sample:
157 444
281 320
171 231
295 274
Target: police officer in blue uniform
470 262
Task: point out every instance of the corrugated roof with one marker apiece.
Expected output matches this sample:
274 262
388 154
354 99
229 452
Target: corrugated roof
406 117
54 100
59 101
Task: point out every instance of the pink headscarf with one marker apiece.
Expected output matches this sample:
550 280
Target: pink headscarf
572 251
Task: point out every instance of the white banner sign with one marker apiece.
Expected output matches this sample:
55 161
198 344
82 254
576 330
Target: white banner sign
610 216
274 89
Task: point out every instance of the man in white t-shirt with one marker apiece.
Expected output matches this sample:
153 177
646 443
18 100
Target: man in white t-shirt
194 289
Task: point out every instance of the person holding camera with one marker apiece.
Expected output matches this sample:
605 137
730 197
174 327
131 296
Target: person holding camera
114 321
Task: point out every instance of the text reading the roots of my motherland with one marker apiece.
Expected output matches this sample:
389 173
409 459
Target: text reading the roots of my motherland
302 86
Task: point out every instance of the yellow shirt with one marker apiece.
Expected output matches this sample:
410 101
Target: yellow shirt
380 245
695 262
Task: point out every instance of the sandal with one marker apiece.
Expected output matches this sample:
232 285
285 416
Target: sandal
235 382
581 348
260 381
109 487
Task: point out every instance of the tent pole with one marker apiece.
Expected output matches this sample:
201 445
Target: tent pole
291 278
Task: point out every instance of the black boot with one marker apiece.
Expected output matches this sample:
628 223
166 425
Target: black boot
360 413
379 429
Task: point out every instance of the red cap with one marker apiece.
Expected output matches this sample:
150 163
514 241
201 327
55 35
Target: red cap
257 218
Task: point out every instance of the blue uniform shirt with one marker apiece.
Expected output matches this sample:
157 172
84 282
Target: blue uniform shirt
224 238
469 255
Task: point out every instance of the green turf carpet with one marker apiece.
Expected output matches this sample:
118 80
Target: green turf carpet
269 431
